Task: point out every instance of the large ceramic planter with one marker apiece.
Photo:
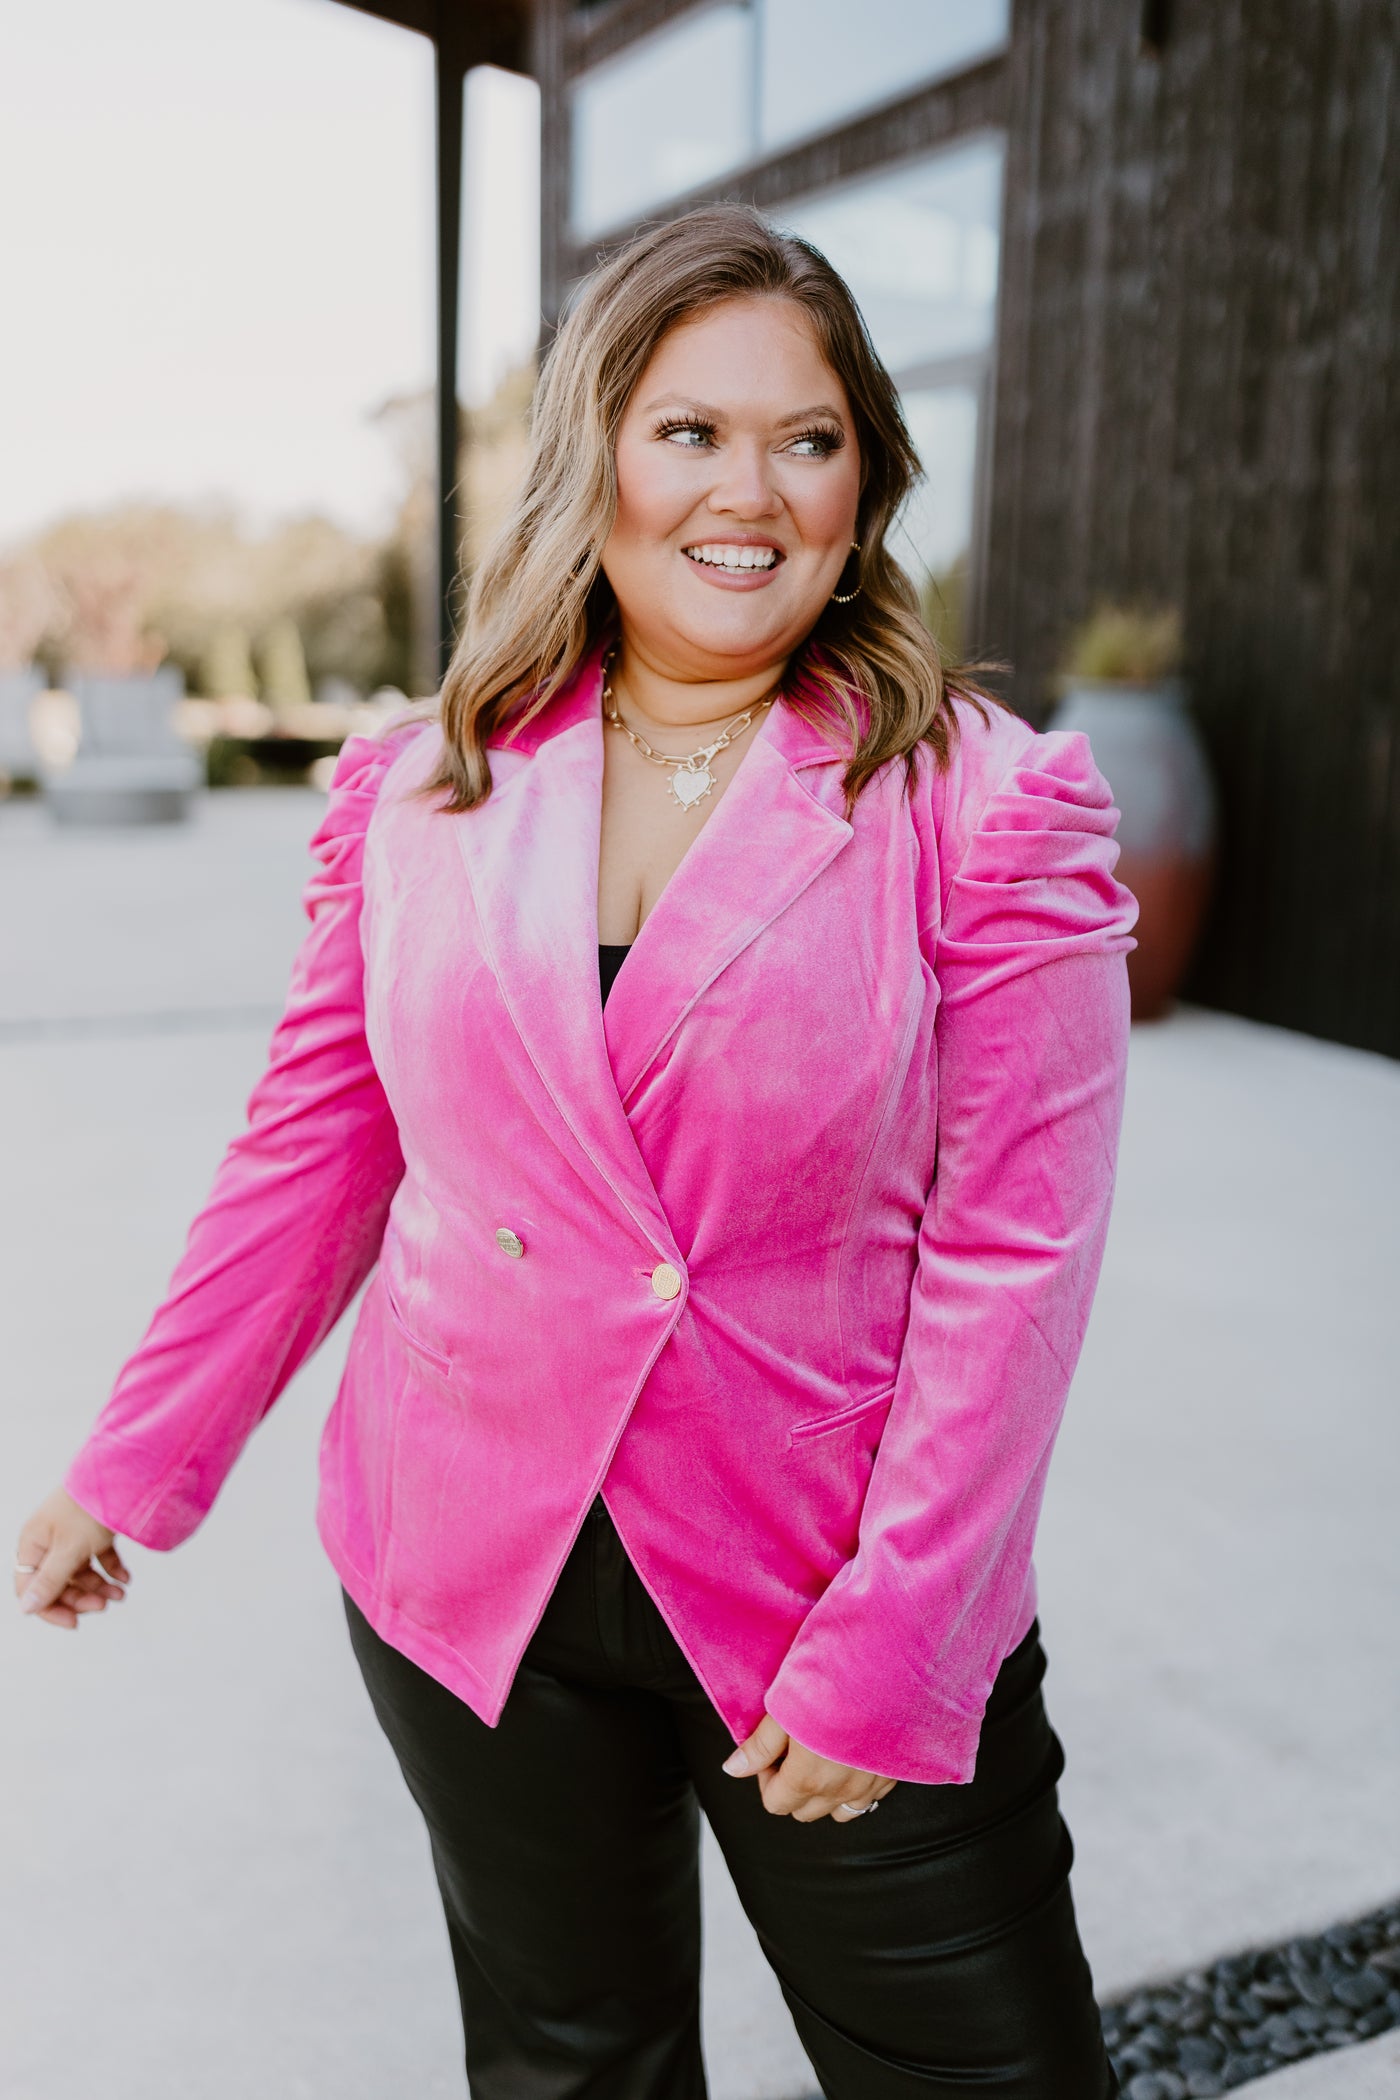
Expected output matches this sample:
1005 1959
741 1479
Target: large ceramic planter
1150 750
131 767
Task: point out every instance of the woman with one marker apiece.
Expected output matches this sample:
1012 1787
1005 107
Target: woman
697 1415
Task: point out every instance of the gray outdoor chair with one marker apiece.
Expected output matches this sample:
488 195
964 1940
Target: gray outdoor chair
131 767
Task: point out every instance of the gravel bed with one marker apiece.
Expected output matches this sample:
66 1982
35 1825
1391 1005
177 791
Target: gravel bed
1253 2013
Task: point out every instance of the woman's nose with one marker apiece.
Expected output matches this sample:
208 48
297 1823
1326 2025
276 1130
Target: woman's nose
745 488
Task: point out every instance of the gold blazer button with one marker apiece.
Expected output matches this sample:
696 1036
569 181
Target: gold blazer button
666 1281
509 1242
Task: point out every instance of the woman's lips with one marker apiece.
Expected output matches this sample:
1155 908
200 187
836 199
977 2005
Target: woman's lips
737 578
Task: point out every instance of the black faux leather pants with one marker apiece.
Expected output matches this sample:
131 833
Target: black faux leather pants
927 1949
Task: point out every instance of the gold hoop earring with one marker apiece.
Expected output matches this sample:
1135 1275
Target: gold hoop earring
845 597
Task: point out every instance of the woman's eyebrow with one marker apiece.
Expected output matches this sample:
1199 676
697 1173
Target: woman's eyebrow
717 415
805 415
698 408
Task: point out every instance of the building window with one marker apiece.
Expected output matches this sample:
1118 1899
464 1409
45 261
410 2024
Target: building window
935 539
673 111
919 244
825 61
733 81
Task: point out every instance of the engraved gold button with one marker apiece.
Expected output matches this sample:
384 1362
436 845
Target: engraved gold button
666 1281
509 1242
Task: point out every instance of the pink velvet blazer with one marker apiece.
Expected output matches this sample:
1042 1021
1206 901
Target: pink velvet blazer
790 1253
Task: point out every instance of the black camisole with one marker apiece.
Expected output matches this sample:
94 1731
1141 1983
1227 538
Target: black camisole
609 963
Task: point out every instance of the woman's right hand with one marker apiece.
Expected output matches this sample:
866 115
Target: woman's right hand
54 1575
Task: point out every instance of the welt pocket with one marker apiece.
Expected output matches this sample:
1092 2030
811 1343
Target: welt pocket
415 1341
858 1411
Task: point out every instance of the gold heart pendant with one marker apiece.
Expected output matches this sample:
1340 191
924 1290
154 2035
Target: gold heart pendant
691 784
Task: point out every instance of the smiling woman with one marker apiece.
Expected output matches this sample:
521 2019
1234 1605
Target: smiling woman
713 1025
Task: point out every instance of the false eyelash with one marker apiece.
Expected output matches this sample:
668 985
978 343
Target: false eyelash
689 421
823 434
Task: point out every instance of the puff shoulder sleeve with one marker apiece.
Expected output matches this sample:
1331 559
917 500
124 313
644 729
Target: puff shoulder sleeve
291 1228
1028 932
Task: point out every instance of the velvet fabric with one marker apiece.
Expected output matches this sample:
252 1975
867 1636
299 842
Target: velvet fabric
858 1082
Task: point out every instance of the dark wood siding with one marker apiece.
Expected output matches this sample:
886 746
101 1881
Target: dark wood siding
1197 402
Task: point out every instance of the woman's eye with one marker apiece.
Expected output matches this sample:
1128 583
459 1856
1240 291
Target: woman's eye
692 437
816 444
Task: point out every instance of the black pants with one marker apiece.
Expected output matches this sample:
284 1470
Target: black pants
929 1948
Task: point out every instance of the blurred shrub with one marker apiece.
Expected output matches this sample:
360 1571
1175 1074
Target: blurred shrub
283 660
286 612
943 607
29 607
1132 645
226 667
105 624
495 444
348 637
120 589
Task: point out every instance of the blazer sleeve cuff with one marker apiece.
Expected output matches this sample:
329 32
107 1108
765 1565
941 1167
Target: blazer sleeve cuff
115 1487
857 1716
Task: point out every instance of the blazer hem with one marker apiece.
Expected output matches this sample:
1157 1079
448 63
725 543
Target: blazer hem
427 1650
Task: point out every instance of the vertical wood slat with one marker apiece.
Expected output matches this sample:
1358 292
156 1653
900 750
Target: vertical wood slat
1197 402
550 60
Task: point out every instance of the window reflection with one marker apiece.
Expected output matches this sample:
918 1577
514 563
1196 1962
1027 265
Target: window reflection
934 536
738 79
919 248
672 111
826 60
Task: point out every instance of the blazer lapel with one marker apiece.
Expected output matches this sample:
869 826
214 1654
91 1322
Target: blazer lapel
531 855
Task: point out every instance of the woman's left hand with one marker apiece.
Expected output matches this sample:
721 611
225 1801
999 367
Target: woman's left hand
795 1782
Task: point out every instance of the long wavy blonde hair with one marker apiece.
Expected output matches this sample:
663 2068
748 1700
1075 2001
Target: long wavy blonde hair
540 600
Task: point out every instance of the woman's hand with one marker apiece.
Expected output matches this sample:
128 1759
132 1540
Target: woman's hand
795 1782
54 1575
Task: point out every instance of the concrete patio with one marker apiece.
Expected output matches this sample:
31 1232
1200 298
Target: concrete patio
216 1884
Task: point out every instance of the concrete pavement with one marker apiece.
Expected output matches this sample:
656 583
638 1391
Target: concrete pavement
215 1883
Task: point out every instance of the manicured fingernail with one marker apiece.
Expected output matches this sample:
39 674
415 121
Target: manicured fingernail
31 1601
737 1764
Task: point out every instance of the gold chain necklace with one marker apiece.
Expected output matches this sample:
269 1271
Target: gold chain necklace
693 778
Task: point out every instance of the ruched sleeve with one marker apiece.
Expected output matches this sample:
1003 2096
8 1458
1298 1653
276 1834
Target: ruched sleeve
892 1667
290 1231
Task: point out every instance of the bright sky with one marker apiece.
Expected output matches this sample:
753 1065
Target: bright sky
216 252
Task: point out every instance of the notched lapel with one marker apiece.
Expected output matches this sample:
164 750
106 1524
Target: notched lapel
531 856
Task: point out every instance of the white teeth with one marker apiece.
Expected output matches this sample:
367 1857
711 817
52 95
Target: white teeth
719 556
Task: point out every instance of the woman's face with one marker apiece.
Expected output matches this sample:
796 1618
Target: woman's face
738 477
